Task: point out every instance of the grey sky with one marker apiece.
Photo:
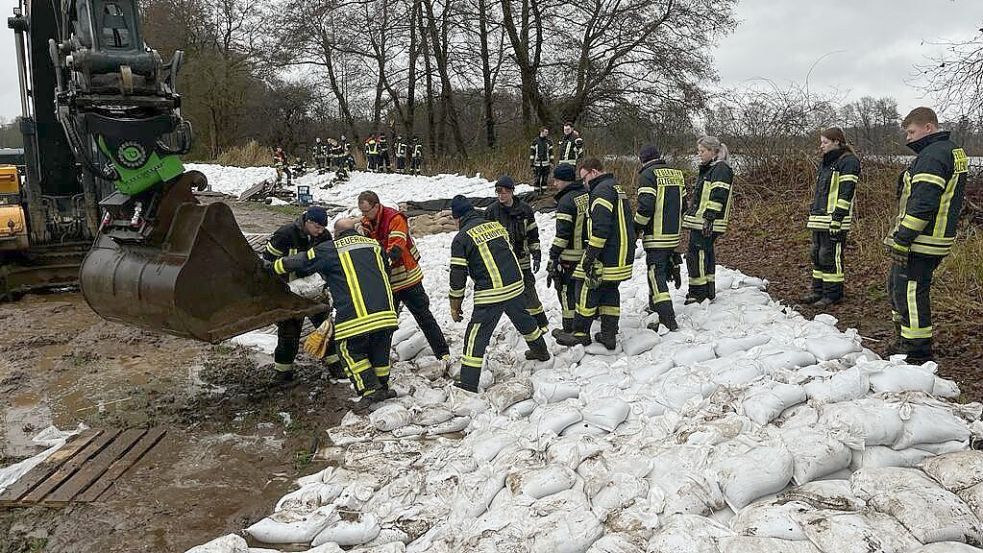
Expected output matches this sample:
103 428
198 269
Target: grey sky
779 40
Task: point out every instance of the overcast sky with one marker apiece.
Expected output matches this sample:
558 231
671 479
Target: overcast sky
875 43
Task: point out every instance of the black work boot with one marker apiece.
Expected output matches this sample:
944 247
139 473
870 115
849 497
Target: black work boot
896 347
815 294
608 336
537 350
571 339
824 302
918 351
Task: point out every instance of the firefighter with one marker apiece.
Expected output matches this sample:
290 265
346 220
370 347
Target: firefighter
571 146
281 165
346 152
541 158
372 154
338 159
930 198
658 223
416 156
354 267
607 260
384 164
831 215
299 236
563 271
320 155
481 249
391 229
400 148
520 221
707 217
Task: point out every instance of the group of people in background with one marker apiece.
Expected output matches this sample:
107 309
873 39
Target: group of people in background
541 153
407 155
372 265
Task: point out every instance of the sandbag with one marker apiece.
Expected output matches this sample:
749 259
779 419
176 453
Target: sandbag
225 544
945 388
879 456
843 386
762 470
752 544
833 495
873 422
688 534
540 482
553 418
926 424
855 532
309 497
619 491
390 417
606 413
616 543
694 354
411 347
815 454
947 547
646 372
831 347
730 346
350 532
770 519
553 391
293 526
766 404
566 532
457 424
522 409
431 415
570 451
956 471
504 395
902 378
641 342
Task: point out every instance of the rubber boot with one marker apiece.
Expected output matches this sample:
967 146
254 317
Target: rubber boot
608 336
537 350
283 373
542 322
566 329
470 377
895 347
815 294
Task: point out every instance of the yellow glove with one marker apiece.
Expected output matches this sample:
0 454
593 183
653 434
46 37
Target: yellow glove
456 315
317 343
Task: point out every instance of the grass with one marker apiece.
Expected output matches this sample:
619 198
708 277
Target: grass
250 154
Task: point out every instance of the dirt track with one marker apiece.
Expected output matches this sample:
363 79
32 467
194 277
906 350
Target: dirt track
229 452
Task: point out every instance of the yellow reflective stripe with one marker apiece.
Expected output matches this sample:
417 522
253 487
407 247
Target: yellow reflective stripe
564 217
459 261
616 273
930 179
535 310
609 310
603 203
834 191
533 336
351 277
720 184
397 234
817 274
382 371
469 342
353 367
490 265
497 295
278 267
622 234
560 242
838 260
914 223
935 241
913 304
843 204
596 242
646 190
716 206
469 361
572 255
931 250
642 219
272 250
456 293
385 279
531 225
311 254
916 333
378 321
534 247
849 178
942 217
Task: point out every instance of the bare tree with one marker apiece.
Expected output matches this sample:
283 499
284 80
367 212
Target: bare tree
954 78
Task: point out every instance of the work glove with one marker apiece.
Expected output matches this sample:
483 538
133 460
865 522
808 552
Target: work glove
592 269
456 314
899 254
537 262
708 226
639 230
317 342
551 274
395 256
835 230
675 262
268 266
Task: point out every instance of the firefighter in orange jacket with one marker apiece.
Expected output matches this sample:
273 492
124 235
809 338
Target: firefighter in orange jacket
391 229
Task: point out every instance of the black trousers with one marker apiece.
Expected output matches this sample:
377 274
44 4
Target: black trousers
909 289
365 359
659 262
341 171
701 263
400 164
827 264
541 177
415 165
416 300
603 301
483 321
533 304
288 342
568 291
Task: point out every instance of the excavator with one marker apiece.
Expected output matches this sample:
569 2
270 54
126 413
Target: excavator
103 140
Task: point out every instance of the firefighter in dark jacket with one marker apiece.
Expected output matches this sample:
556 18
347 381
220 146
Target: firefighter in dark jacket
301 235
338 159
571 146
831 216
519 221
541 158
384 163
658 222
400 149
416 156
607 260
355 270
707 217
930 198
320 151
563 271
481 249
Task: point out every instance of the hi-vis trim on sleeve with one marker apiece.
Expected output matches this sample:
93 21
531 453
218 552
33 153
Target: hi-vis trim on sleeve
603 203
456 293
564 217
596 242
560 242
914 223
930 179
459 261
311 254
849 178
842 204
646 190
278 267
720 184
716 206
641 219
397 234
272 250
531 225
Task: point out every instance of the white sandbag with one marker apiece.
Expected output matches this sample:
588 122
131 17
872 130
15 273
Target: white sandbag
787 359
831 347
553 418
405 332
879 456
855 532
522 409
753 544
730 346
945 388
393 547
947 547
873 422
616 543
598 349
409 430
294 526
486 380
681 483
694 354
390 417
762 470
475 492
641 342
570 451
583 429
956 471
835 495
569 356
310 287
431 415
767 404
930 512
508 393
927 424
688 534
309 497
225 544
902 378
491 444
738 375
619 491
457 424
606 413
770 519
350 532
815 454
843 386
411 347
945 447
646 372
553 391
540 482
566 532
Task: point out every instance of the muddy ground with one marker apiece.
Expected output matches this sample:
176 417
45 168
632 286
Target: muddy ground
234 442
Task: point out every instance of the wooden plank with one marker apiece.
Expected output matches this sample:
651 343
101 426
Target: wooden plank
69 467
93 469
121 465
38 474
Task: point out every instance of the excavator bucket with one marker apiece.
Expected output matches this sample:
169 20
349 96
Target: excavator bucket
203 281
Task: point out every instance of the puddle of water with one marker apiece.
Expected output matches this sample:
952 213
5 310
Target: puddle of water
22 422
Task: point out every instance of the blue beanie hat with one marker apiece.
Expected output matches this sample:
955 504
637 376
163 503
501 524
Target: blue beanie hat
505 181
565 172
317 214
648 153
460 206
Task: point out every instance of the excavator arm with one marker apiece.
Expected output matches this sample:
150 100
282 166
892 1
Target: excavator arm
160 260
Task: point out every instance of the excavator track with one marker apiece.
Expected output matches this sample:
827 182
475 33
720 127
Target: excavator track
42 268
